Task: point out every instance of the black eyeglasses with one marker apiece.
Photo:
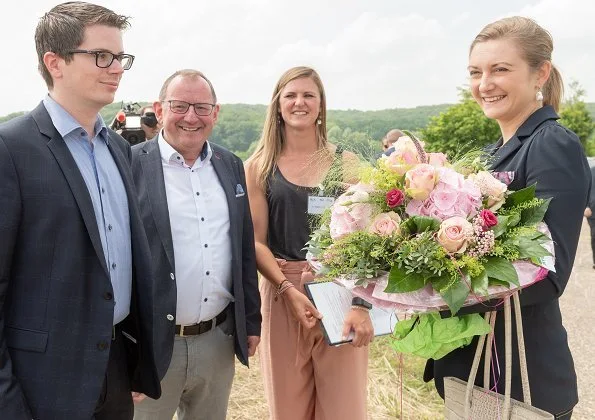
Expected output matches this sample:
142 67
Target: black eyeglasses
181 107
104 59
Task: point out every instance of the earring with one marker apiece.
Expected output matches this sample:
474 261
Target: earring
318 121
539 96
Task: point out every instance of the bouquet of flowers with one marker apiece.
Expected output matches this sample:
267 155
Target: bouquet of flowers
420 234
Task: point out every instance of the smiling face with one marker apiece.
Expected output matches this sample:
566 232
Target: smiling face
502 82
299 103
81 81
187 132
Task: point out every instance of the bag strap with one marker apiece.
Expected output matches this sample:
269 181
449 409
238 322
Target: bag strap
490 317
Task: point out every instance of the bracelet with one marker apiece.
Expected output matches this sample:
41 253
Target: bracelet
283 287
360 308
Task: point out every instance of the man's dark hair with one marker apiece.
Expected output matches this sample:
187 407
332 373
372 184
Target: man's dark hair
63 29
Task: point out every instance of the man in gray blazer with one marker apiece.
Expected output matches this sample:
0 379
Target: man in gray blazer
196 213
75 285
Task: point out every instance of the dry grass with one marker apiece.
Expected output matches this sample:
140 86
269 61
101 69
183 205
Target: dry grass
420 400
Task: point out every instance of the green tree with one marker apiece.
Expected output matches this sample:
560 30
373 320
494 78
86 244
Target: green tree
575 115
460 128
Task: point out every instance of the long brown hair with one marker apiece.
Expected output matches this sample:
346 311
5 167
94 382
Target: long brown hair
272 139
536 46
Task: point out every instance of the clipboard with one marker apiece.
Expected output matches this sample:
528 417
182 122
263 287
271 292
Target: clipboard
333 301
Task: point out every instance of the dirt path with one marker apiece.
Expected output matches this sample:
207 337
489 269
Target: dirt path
577 304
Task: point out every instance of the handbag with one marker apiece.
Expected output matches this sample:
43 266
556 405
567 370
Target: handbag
464 400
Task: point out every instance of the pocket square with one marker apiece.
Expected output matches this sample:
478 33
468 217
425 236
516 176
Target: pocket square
240 191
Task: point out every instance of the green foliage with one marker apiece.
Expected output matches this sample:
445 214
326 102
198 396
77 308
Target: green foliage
10 116
460 128
575 115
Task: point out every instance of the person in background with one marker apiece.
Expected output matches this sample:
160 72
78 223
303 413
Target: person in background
590 212
514 81
388 142
148 122
304 377
76 291
195 208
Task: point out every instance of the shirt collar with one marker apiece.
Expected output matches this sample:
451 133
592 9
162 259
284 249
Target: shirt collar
66 123
171 155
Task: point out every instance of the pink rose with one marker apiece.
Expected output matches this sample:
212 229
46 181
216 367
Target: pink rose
394 198
437 160
420 181
404 157
454 234
488 219
492 189
386 224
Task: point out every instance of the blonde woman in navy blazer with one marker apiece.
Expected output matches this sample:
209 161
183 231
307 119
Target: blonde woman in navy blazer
514 81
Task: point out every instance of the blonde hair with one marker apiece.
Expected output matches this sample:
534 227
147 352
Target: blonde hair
272 139
536 46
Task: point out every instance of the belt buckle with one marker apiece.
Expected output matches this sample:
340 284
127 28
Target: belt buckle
181 331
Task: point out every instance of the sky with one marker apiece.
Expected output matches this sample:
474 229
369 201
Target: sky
373 54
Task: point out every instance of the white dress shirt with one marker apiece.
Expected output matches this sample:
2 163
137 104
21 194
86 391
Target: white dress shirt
199 220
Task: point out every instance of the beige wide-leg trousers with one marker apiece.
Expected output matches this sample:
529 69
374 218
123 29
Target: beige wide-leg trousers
304 377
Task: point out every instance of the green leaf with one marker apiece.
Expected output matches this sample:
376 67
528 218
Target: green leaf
520 196
532 216
531 249
501 227
400 282
513 219
419 224
480 283
440 283
455 296
501 269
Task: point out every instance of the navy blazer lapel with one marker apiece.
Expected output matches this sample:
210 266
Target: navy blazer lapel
73 176
225 175
526 130
150 160
505 150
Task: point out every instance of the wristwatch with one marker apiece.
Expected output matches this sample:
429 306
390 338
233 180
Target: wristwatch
358 301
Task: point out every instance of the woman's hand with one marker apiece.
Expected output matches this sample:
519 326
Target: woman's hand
358 321
301 307
588 212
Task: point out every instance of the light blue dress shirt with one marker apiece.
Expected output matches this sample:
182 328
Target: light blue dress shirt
108 194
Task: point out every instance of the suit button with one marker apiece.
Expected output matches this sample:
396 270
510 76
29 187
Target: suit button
170 317
171 276
102 345
108 296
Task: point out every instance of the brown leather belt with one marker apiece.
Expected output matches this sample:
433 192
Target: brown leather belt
201 327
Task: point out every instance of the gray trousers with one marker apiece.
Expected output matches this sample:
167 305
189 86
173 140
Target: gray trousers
198 382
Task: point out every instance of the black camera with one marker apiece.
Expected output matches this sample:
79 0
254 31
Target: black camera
127 123
149 119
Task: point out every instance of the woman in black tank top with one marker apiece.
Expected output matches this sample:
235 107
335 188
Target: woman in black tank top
287 187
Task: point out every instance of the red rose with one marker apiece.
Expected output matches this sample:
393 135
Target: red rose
394 198
488 218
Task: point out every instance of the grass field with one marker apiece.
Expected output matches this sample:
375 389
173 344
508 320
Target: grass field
420 400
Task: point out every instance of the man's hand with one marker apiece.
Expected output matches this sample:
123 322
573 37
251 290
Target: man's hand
253 341
138 397
359 322
301 308
588 212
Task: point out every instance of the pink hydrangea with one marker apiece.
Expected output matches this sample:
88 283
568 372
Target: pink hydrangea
351 212
453 196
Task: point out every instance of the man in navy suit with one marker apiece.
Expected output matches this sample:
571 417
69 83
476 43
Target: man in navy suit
196 213
76 294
